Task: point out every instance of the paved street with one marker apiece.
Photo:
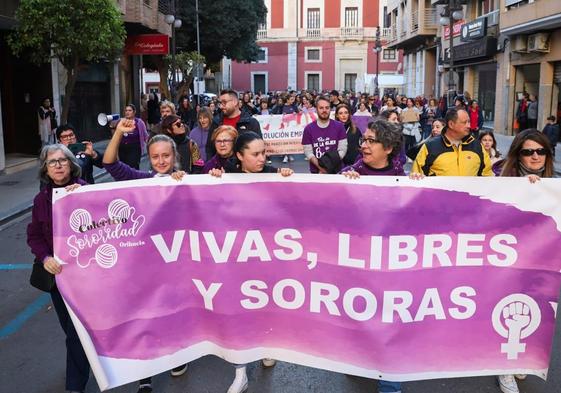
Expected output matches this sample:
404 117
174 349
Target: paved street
32 346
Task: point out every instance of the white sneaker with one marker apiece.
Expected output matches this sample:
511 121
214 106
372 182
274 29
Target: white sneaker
240 381
507 384
285 159
269 362
290 158
520 377
179 371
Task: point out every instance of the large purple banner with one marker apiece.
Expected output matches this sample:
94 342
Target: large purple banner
379 277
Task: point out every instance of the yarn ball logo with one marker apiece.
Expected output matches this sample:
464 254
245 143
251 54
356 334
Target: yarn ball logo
515 318
95 235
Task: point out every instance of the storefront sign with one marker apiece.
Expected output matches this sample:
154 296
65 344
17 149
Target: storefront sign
147 44
474 29
457 29
485 47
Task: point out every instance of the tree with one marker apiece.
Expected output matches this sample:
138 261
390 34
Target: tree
186 63
73 31
226 27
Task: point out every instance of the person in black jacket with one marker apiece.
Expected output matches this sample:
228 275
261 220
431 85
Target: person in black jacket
85 154
551 130
231 115
189 154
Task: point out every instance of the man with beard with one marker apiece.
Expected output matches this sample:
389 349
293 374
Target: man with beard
324 136
231 115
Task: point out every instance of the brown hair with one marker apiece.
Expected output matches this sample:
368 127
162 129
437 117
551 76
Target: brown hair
231 131
512 160
352 126
204 112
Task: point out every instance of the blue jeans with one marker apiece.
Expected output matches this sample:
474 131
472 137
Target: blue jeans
388 386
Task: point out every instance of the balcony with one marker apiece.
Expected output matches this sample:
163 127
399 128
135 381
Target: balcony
414 27
261 34
313 33
145 13
352 32
386 33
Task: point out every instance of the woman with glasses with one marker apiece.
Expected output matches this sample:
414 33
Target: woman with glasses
189 153
223 139
57 168
379 146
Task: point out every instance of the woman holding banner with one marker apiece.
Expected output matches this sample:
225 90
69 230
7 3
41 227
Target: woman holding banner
379 145
250 154
223 139
58 168
529 156
164 160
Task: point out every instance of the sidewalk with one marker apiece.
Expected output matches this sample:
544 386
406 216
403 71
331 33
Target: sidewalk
17 190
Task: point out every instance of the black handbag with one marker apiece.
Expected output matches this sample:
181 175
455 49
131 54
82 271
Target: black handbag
41 279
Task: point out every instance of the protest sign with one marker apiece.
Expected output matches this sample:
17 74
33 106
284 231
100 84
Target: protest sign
381 277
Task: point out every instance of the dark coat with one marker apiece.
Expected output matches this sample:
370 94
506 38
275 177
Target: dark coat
40 229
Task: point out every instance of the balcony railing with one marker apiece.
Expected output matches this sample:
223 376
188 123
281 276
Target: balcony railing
431 18
386 33
414 26
261 34
352 32
313 33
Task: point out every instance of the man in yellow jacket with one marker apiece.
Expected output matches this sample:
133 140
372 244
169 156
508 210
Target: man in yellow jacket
455 152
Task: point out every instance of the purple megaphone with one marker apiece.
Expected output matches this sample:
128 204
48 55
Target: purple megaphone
104 119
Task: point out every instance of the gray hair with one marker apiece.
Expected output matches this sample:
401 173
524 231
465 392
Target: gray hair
164 138
75 169
388 134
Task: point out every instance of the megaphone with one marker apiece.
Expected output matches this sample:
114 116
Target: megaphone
103 119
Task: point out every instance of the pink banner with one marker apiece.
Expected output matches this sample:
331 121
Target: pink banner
380 277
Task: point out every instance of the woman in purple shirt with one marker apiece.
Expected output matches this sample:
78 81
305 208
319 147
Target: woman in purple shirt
58 168
133 142
378 146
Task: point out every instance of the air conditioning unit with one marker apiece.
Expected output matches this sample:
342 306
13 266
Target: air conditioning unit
519 44
538 42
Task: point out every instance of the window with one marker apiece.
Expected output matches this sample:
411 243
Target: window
389 54
313 55
351 17
263 55
314 18
350 82
313 82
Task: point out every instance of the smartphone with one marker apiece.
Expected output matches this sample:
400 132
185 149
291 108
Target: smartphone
76 148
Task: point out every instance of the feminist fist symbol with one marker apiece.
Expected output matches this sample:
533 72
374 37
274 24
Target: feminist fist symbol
522 316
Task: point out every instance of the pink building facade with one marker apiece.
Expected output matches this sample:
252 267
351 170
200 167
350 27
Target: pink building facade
317 45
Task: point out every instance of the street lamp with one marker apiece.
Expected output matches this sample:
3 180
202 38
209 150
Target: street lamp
175 23
377 49
452 12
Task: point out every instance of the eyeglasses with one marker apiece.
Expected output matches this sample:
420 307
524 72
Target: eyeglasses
61 161
67 136
178 124
224 102
530 152
369 141
223 141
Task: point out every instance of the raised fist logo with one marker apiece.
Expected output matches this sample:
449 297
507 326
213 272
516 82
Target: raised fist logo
516 317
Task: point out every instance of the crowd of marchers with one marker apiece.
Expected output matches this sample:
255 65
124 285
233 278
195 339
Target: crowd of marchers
222 136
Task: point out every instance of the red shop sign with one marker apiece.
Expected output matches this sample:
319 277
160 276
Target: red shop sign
457 29
147 44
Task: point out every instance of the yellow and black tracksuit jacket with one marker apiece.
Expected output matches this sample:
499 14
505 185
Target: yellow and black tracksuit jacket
439 157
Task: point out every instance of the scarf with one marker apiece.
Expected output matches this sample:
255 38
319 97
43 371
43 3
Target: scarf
524 171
